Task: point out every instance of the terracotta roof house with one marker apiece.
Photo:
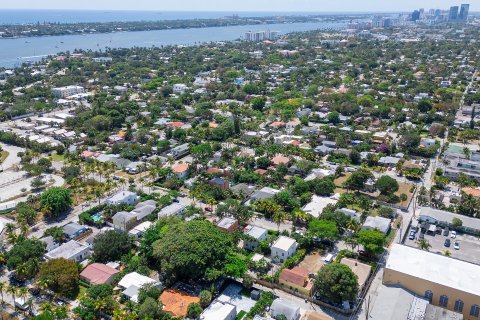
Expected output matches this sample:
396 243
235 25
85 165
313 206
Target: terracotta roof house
261 171
277 124
177 124
98 273
297 279
180 170
176 302
280 160
212 125
472 191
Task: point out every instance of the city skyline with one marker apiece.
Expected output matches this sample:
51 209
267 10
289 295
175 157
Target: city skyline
247 5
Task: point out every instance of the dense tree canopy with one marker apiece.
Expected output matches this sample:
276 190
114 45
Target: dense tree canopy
60 275
192 250
56 201
336 282
111 246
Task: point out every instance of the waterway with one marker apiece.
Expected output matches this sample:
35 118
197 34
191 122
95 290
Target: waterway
14 52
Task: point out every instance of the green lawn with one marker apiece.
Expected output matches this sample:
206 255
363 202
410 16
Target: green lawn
57 157
3 156
241 314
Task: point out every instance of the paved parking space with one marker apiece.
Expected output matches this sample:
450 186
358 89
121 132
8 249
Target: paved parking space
469 246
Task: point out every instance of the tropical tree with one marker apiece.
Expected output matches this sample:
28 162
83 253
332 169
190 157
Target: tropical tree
336 282
424 244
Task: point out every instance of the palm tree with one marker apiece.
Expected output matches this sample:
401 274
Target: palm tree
3 286
13 291
353 225
351 241
447 253
278 217
424 244
23 293
24 229
10 233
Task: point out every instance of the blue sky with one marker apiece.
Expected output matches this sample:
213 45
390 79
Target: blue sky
239 5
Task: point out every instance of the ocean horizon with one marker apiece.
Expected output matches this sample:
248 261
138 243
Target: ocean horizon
23 16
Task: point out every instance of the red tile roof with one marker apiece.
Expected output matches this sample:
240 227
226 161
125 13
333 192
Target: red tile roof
176 302
98 273
176 124
297 276
280 159
179 168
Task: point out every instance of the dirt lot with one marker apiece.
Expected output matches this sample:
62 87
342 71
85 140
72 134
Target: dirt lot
313 262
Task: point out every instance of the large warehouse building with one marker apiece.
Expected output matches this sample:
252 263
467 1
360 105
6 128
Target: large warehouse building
444 281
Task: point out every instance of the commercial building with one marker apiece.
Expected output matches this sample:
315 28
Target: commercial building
68 91
453 14
444 218
464 9
443 281
261 35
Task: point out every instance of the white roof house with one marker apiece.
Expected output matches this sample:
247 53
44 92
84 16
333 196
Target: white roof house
282 307
316 206
255 235
71 250
123 197
219 311
435 268
172 210
132 282
379 223
283 248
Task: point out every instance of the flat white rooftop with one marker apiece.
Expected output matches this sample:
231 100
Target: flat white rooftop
436 268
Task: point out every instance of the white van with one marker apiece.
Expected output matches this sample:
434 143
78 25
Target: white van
328 258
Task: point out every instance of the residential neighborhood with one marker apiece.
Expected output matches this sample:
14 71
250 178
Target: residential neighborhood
327 174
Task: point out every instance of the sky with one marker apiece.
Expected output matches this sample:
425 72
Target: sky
240 5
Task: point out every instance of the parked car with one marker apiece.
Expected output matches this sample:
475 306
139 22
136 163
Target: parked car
453 234
208 209
456 245
411 236
447 243
421 236
446 231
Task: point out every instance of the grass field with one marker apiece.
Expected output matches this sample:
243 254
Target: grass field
3 156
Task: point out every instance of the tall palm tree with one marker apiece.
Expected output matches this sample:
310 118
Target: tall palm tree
12 291
278 217
10 233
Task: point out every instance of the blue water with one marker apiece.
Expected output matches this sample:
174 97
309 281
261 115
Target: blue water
15 51
97 217
75 16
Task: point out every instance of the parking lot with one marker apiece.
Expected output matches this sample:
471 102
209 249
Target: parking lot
469 246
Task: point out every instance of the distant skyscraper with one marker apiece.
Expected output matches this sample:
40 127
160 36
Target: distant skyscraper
464 12
415 15
438 13
453 15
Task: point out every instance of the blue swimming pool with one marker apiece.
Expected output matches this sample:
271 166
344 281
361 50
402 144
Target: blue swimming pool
97 217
